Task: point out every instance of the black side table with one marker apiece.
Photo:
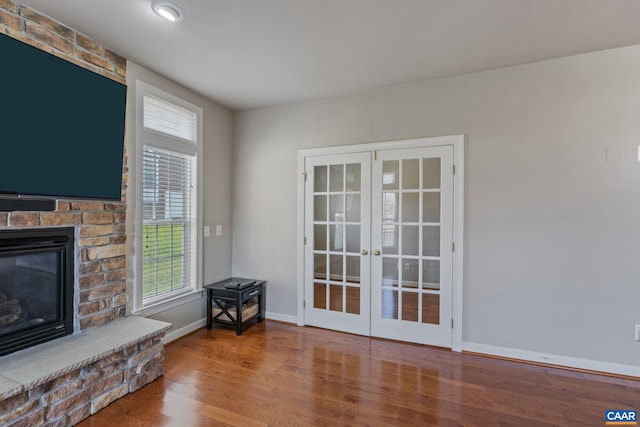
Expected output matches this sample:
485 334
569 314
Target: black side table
229 303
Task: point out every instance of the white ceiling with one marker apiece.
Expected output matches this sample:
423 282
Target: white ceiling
252 53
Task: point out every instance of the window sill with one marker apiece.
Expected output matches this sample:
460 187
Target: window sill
168 304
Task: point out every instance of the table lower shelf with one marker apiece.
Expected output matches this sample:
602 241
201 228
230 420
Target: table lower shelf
249 311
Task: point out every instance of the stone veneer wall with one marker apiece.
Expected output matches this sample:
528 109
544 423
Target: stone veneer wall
100 259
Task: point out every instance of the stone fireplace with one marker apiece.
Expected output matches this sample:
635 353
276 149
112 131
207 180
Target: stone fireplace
65 379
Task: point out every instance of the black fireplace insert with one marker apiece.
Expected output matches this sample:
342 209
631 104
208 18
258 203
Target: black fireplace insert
36 286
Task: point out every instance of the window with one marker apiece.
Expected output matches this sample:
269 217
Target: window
168 148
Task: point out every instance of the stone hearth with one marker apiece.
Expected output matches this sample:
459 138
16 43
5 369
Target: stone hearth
62 382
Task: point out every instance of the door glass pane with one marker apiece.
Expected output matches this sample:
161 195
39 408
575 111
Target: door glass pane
353 207
390 238
410 240
336 237
390 272
319 208
390 174
431 308
431 207
320 179
390 207
335 298
353 300
320 237
337 233
410 174
353 238
336 208
410 273
410 306
431 240
389 304
319 295
335 267
430 274
353 269
353 177
319 266
336 178
431 173
410 203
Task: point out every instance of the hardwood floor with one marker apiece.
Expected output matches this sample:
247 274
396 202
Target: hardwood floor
282 375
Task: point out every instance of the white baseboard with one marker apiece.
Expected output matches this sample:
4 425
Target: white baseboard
281 317
553 359
174 335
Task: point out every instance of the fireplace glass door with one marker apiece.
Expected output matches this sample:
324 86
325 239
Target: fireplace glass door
29 294
36 287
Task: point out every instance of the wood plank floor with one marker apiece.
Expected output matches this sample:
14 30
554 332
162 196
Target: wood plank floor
281 375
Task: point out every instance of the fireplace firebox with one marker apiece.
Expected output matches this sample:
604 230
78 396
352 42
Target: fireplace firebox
36 286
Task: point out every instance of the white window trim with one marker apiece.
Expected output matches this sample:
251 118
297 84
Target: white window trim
160 141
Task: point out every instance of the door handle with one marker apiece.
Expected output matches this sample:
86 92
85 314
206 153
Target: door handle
376 252
365 252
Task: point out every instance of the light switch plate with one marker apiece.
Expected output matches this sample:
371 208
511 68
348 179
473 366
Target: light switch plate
218 230
612 154
207 231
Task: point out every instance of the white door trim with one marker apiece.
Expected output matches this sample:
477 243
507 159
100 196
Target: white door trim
457 141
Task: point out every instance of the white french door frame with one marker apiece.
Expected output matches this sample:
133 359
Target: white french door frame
457 142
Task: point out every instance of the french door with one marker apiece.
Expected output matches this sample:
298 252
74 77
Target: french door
337 220
412 235
378 243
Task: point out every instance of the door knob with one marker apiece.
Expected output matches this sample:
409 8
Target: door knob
376 252
365 252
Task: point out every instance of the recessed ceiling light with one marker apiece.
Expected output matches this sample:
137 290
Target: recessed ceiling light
168 11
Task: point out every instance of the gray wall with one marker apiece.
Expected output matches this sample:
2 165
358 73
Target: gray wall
217 153
552 234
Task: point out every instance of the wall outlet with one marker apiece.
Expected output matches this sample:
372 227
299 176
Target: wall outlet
407 266
207 231
218 230
637 332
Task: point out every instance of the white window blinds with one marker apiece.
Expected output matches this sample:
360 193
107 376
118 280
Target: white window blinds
169 204
164 117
